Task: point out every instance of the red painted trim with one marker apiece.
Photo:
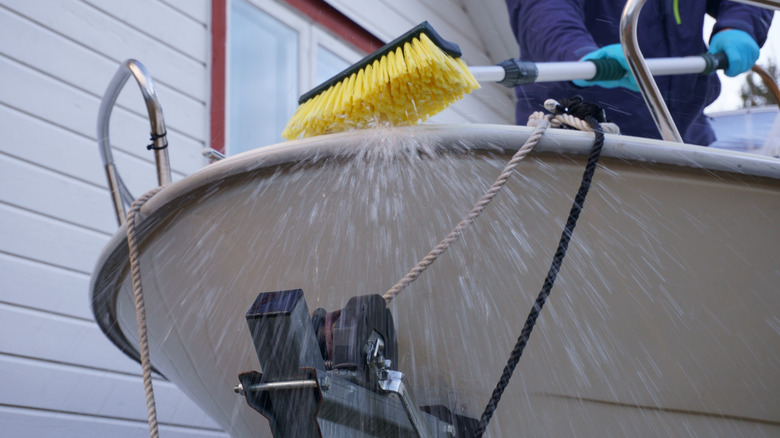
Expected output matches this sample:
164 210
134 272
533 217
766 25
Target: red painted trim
218 41
338 23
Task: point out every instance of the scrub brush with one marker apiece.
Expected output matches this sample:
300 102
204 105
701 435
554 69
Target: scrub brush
403 83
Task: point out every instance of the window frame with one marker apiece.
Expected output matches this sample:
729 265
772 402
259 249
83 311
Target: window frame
318 24
321 38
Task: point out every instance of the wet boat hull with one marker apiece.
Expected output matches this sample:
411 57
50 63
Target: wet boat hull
663 320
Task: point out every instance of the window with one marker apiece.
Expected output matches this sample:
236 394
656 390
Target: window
263 77
273 53
328 64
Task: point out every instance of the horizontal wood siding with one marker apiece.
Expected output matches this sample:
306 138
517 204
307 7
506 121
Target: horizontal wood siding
388 19
492 20
60 387
59 375
32 423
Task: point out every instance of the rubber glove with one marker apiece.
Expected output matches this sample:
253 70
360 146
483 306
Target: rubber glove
739 47
614 51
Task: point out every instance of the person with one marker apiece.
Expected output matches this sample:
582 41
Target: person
571 30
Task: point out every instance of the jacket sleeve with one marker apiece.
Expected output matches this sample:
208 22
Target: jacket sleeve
751 19
550 30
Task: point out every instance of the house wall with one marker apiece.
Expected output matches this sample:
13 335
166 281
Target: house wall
59 375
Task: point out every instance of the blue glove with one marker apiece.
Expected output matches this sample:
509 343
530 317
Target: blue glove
739 47
614 51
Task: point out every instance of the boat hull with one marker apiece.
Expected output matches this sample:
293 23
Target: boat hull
664 318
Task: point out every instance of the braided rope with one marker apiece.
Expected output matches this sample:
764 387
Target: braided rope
561 120
541 126
140 309
552 274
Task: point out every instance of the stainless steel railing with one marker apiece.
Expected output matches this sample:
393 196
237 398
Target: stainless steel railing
644 78
120 195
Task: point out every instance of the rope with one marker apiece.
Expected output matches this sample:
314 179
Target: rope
568 120
539 120
541 126
552 274
140 309
154 137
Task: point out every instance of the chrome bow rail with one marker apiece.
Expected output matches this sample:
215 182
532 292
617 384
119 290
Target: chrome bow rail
120 195
644 78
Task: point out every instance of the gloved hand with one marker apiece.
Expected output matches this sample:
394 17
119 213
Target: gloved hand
614 51
739 47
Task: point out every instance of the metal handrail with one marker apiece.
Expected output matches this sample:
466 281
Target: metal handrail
644 79
120 195
766 4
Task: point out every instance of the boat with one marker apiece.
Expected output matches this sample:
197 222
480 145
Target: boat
664 320
755 130
666 311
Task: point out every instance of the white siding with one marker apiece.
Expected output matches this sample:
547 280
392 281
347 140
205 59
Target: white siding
491 19
59 375
387 19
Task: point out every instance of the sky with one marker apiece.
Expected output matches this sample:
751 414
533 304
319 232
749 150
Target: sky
729 96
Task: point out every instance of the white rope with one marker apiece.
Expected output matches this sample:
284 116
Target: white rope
539 120
541 125
140 309
574 122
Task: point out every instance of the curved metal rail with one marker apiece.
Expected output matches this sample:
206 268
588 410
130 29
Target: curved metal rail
644 79
120 195
769 81
766 4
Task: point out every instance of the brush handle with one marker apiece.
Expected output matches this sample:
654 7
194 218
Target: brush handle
514 72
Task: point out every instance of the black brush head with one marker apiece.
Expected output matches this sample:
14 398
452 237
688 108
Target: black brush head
448 47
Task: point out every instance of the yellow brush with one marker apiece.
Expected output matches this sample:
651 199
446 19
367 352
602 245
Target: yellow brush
413 77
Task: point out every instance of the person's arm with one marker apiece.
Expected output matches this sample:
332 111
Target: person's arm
731 15
555 30
550 30
738 32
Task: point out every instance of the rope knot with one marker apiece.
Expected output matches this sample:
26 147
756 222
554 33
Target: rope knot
536 119
154 137
573 113
576 107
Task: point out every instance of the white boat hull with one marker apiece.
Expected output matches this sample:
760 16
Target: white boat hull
664 320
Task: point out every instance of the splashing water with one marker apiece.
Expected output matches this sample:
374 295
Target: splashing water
635 329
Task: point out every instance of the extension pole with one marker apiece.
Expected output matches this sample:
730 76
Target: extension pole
568 71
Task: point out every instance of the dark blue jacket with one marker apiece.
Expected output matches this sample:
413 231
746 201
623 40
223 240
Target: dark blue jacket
567 30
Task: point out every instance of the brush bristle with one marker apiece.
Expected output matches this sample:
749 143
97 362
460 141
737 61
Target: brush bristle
404 87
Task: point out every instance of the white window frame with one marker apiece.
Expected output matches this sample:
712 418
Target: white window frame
311 35
320 37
